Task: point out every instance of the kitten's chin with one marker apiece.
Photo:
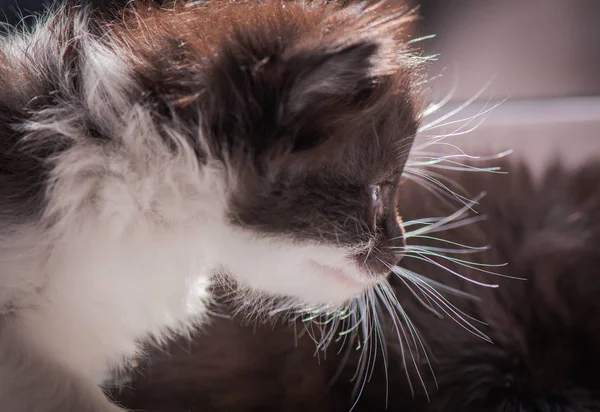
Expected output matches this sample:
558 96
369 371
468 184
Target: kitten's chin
344 277
314 283
313 273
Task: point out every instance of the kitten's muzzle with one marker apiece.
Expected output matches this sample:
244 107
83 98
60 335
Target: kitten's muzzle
390 244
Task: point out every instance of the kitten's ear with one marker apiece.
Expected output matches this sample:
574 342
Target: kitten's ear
330 73
328 83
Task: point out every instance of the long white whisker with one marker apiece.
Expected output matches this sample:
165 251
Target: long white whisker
483 111
439 285
422 158
447 164
420 39
475 282
437 138
454 225
450 218
457 110
443 178
392 296
427 305
401 335
434 107
439 239
422 221
421 251
436 191
470 265
448 308
391 302
432 249
438 183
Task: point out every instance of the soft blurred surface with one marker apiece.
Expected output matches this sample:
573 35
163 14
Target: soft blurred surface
541 55
536 48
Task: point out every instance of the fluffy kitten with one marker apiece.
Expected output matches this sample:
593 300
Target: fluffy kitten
141 157
543 331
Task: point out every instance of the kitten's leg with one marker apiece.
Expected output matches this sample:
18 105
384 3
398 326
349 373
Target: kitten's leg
30 383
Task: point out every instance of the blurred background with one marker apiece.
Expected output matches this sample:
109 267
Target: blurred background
543 56
535 62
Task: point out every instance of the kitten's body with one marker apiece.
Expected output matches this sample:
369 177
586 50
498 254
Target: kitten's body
140 158
545 329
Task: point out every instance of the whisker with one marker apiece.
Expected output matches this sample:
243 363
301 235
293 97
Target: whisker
458 131
389 299
450 182
434 190
450 218
393 298
434 107
443 304
457 224
400 333
475 282
457 110
483 111
429 159
420 39
422 221
462 199
366 358
447 302
439 285
439 239
421 251
441 164
382 343
471 265
446 250
462 154
427 305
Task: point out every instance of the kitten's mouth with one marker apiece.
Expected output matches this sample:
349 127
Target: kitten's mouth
339 275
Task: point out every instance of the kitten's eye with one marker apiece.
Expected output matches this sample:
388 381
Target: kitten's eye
377 205
375 193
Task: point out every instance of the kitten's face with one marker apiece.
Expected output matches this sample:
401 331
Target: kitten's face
308 113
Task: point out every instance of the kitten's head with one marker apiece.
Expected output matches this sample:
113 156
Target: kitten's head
307 113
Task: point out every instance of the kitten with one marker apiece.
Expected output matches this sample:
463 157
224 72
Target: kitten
529 345
140 158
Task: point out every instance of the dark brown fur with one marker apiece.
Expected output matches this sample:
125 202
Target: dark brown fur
545 329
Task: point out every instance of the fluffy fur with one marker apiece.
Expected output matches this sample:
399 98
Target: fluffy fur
143 156
543 329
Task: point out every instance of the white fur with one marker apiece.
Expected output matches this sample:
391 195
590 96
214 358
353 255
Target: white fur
133 233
